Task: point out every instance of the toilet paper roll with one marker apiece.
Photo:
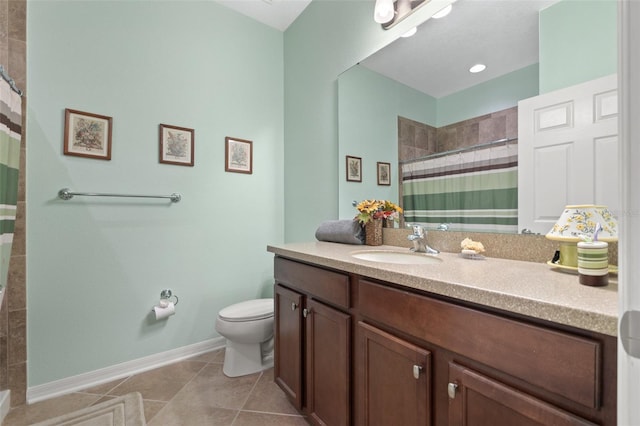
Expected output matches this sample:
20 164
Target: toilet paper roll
164 312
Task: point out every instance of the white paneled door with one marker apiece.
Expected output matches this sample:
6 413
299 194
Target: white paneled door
567 152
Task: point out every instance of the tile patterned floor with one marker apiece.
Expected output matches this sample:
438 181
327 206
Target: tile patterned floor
193 392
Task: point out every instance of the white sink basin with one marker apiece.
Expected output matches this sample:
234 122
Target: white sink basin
407 258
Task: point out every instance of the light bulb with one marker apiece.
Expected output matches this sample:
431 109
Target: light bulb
383 11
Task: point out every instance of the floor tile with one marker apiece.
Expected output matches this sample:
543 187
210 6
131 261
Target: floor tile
151 408
182 415
268 397
211 388
213 356
160 384
105 387
248 418
192 392
28 414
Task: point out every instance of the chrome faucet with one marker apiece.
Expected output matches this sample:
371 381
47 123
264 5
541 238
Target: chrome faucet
419 239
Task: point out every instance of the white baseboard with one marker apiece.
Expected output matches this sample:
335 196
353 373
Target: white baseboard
118 371
5 404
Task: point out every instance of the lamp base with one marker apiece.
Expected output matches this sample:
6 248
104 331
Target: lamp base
568 254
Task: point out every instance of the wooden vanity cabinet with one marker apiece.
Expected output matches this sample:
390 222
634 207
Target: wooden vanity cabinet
312 363
288 343
491 369
420 359
394 383
478 400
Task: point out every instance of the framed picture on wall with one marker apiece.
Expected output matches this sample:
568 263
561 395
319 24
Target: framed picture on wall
238 154
384 173
87 135
354 169
176 145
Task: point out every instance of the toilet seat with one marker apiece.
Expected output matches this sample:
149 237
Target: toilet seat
250 310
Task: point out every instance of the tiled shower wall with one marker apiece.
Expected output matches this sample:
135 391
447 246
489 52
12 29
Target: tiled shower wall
417 140
478 130
13 312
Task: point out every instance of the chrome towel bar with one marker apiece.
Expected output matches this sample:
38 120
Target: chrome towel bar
67 194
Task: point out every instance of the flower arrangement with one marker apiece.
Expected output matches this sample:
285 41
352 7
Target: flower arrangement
377 209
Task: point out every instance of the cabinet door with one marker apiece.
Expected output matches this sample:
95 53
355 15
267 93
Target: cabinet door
328 364
395 380
477 400
288 343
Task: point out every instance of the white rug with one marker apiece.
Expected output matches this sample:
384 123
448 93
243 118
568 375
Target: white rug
126 410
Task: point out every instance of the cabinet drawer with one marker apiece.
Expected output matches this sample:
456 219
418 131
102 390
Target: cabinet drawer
561 363
332 287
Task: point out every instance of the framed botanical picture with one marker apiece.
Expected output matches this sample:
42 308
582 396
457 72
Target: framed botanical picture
176 145
384 173
354 169
87 135
238 155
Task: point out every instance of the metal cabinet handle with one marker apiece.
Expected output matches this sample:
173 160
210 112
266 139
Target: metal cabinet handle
306 312
416 371
451 390
294 306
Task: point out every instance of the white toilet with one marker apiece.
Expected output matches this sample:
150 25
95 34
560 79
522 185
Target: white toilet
248 328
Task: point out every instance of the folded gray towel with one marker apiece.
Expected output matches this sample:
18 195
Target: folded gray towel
341 231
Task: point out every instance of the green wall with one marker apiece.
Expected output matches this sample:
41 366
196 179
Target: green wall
328 38
368 106
97 266
578 42
494 95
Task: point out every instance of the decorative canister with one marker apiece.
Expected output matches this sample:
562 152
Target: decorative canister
373 232
593 263
389 223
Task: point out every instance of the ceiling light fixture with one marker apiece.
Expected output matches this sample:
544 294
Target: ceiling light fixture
390 12
383 11
477 68
442 12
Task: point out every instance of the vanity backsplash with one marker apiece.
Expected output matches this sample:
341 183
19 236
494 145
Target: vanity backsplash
529 248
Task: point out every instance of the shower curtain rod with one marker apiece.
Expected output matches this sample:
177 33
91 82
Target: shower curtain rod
504 141
9 80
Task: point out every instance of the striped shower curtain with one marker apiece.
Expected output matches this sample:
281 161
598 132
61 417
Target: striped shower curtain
10 137
475 190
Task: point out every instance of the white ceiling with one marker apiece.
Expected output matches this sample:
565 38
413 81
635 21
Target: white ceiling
502 34
278 14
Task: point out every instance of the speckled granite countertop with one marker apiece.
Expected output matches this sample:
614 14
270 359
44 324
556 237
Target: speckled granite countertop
527 288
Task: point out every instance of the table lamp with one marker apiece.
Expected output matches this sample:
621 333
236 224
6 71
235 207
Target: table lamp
578 223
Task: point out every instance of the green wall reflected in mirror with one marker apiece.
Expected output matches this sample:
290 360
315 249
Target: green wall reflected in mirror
369 104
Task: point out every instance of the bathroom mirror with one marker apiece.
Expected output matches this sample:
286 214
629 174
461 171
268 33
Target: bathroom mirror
429 83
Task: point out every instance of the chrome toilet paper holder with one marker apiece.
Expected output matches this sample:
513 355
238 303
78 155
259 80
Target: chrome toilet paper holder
168 294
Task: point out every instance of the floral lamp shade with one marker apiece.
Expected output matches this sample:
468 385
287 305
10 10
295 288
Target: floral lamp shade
579 222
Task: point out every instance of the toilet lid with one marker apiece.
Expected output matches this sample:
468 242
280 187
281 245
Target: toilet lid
248 310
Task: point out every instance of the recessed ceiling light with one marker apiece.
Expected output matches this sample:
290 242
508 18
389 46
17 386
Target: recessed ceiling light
442 12
477 68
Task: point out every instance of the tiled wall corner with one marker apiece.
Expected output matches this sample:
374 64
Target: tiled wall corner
13 312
